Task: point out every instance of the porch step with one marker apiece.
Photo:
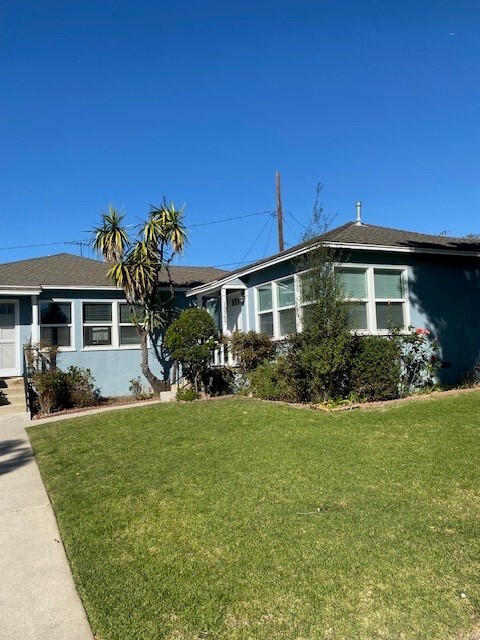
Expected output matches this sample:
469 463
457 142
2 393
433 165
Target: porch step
12 396
168 396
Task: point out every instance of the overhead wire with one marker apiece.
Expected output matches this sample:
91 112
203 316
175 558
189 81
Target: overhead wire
254 242
199 224
269 236
248 215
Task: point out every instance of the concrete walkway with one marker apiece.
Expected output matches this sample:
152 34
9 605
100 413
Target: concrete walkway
38 600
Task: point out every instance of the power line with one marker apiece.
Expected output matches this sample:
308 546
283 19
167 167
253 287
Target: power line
249 215
80 242
269 236
255 241
42 244
297 221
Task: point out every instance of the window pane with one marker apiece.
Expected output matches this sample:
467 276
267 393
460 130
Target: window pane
59 336
266 323
94 312
93 336
288 323
128 335
353 282
212 306
265 297
126 313
388 284
357 316
390 315
56 313
286 293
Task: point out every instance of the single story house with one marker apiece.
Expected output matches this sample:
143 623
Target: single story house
411 278
67 300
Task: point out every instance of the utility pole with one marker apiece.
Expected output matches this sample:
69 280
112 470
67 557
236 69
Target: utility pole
279 211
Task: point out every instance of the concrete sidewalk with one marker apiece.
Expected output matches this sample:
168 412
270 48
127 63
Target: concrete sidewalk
38 600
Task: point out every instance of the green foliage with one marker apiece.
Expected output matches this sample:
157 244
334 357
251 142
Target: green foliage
57 389
319 358
375 370
273 381
251 349
187 395
135 265
138 391
321 369
189 339
81 386
219 381
419 360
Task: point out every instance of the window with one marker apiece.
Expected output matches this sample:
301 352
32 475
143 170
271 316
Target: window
376 297
109 324
56 323
389 299
354 285
97 324
276 308
265 309
127 333
287 317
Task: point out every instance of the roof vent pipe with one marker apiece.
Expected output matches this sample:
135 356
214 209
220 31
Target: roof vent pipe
359 212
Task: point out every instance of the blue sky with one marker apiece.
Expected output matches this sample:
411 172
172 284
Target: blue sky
125 102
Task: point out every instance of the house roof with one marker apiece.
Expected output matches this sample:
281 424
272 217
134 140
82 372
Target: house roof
368 237
70 271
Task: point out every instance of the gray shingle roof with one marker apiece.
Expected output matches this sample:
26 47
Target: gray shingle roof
383 236
367 235
352 234
66 270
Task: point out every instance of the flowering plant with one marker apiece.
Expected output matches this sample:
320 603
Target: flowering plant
419 361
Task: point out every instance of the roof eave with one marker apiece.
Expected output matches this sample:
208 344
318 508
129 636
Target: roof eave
212 286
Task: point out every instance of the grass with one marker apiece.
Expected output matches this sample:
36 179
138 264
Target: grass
246 520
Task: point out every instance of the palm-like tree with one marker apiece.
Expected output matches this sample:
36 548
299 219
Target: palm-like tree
135 266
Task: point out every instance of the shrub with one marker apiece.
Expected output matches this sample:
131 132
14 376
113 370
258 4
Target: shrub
57 389
375 372
219 381
138 391
187 395
273 381
81 387
52 390
320 370
251 349
190 341
419 360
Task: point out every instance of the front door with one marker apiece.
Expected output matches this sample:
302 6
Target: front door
8 340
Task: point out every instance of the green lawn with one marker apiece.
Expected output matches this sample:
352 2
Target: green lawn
235 519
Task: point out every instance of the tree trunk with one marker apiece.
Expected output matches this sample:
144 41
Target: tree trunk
156 384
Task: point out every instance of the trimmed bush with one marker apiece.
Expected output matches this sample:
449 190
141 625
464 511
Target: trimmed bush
375 372
273 381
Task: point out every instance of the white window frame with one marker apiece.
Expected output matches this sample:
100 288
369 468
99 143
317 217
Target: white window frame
124 324
279 309
275 308
114 326
371 300
71 324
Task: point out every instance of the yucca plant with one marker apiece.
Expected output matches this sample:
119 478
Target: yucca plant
135 265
